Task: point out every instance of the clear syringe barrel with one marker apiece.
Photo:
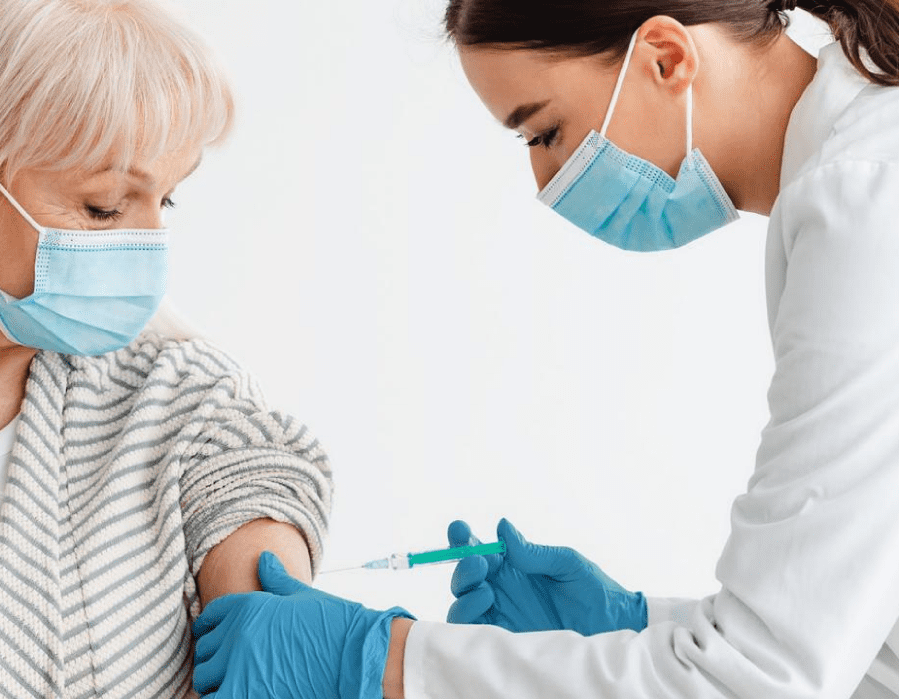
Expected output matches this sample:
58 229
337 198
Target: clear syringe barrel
399 561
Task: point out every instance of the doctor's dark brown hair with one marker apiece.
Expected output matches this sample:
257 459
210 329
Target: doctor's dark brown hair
591 27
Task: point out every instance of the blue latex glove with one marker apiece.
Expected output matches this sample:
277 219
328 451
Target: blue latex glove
290 641
538 588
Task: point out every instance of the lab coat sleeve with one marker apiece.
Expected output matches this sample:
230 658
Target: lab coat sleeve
662 609
810 573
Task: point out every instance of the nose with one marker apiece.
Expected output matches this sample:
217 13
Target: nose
544 167
148 218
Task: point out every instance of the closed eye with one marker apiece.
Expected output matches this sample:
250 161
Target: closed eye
546 139
99 214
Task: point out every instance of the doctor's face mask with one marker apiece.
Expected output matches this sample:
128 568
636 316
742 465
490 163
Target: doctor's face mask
631 203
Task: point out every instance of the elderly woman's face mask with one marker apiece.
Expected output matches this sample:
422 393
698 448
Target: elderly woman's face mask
94 290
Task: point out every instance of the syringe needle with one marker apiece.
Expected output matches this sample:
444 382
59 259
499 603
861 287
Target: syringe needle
339 570
371 565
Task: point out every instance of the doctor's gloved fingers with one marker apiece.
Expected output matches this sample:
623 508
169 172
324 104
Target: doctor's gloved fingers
209 643
209 675
213 614
459 534
469 573
471 607
274 578
530 558
560 563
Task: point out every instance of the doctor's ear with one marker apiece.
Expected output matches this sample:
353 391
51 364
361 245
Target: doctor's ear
667 46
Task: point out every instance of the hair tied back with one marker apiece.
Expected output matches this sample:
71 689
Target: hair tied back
868 30
783 5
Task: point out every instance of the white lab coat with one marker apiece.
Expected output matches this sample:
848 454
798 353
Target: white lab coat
809 598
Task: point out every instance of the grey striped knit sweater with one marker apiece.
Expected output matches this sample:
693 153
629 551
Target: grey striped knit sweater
127 468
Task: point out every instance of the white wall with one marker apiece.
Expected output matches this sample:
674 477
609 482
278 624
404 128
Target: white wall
369 245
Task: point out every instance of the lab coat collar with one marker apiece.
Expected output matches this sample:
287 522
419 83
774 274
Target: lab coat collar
834 87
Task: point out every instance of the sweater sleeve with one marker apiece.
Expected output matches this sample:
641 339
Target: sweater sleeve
244 462
810 573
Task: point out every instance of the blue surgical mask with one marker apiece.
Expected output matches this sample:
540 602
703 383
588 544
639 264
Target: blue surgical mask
631 203
94 291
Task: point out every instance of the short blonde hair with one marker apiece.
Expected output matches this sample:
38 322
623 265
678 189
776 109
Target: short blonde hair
86 81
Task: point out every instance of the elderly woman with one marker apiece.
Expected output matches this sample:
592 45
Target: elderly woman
141 474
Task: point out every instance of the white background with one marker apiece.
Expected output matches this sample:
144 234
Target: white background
368 244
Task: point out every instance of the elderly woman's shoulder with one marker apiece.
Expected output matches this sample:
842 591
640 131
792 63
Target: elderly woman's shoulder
153 357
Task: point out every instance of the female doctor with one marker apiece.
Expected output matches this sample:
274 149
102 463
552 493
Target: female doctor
651 123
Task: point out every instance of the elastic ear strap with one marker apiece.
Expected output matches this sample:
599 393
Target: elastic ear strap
19 208
614 102
689 119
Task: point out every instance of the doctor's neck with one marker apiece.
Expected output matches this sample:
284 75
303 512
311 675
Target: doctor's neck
742 113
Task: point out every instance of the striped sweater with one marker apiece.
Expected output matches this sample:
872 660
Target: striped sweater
126 470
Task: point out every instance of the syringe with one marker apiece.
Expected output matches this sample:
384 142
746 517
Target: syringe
403 561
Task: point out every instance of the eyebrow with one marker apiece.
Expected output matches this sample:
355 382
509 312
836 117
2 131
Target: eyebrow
140 174
523 113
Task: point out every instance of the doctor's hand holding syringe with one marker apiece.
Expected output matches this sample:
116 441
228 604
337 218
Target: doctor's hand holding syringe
525 587
538 588
311 643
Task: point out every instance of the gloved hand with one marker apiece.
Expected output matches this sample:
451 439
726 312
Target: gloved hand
538 588
290 641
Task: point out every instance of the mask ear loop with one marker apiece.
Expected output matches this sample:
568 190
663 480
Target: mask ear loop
689 119
690 123
18 207
617 92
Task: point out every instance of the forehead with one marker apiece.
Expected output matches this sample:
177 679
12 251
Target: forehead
500 77
166 168
507 79
163 172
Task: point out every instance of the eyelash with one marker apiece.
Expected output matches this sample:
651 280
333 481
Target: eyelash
104 215
546 139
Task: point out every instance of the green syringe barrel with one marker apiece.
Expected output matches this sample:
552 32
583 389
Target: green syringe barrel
455 553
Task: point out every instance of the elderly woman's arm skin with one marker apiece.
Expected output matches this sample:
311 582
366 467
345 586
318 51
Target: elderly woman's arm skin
392 685
230 567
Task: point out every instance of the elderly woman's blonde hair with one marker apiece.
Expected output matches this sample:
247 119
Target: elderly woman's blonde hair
85 83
